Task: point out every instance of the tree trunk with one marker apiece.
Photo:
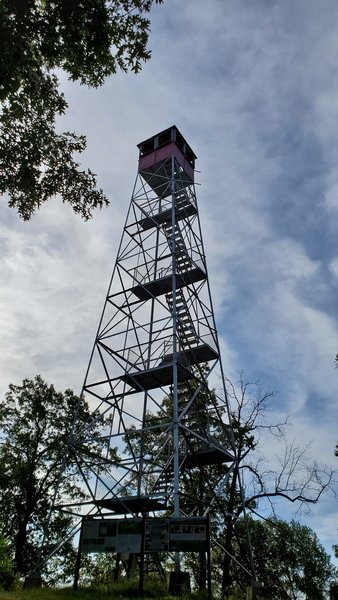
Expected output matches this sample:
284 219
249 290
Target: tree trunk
25 508
20 547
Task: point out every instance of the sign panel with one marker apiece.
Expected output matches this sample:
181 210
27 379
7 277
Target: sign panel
188 534
112 535
156 537
161 534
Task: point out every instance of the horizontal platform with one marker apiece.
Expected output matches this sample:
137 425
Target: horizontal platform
193 356
206 457
186 210
162 375
164 284
131 504
155 378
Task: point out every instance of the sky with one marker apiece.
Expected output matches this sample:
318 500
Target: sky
253 87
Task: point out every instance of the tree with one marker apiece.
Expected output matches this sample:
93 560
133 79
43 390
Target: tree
7 575
89 40
35 423
289 560
292 476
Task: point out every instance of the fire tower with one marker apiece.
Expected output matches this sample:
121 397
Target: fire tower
154 383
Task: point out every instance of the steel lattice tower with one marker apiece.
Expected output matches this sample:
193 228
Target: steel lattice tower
156 340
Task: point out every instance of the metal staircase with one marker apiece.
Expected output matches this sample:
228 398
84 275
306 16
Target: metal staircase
177 246
186 331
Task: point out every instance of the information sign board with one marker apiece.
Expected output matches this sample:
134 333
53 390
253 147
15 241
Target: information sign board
112 535
160 534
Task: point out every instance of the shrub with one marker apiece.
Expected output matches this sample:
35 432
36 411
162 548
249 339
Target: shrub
7 576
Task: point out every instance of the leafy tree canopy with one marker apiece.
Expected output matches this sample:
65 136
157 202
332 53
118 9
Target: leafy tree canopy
289 560
88 39
35 423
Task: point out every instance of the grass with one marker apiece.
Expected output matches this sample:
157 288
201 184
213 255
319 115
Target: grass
69 594
124 589
118 591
